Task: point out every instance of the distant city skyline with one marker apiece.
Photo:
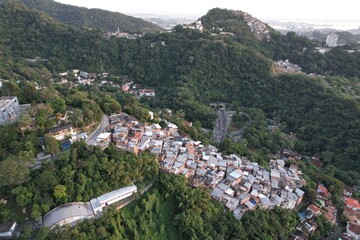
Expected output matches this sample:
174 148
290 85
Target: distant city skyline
346 10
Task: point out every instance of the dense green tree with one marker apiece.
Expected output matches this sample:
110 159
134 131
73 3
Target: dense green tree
58 104
10 88
79 175
23 195
109 105
51 145
76 117
25 233
24 122
275 224
13 172
60 192
35 211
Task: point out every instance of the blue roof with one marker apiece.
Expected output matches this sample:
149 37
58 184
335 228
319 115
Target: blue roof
65 145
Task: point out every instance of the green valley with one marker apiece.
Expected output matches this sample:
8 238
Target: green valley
45 54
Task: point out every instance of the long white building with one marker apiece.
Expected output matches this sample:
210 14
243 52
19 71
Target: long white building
107 199
72 213
69 213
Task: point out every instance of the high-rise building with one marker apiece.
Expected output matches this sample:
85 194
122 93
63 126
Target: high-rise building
331 40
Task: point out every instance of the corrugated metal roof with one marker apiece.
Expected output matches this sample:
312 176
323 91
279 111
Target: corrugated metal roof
116 194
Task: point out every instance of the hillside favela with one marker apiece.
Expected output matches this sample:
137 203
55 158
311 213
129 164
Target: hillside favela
185 120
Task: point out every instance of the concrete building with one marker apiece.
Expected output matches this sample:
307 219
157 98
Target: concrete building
9 108
331 40
61 132
353 231
107 199
147 93
75 212
7 230
68 214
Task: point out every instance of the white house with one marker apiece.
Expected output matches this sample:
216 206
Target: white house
9 108
103 137
147 93
331 40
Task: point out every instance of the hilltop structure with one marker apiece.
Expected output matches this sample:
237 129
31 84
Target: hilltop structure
331 40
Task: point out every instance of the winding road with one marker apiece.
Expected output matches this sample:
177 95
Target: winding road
105 122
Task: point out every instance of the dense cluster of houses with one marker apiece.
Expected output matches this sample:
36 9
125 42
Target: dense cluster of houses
322 206
195 26
288 65
221 32
78 77
120 34
352 213
256 26
241 185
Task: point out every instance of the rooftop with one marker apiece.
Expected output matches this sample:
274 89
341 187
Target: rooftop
313 208
354 228
5 100
350 202
147 90
103 136
107 197
60 128
66 212
5 227
235 174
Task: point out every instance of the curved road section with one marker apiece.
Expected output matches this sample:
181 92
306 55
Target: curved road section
105 122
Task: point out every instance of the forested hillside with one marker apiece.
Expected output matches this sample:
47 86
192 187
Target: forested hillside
91 18
345 37
174 210
194 69
297 49
300 50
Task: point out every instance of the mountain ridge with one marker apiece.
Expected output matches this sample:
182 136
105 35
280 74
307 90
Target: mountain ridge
91 18
237 22
193 69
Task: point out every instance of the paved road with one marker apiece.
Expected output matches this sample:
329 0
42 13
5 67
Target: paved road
105 122
237 135
219 132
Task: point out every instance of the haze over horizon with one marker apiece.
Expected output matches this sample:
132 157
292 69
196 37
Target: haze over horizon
346 10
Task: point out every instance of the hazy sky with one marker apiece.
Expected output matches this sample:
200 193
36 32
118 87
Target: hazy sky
275 9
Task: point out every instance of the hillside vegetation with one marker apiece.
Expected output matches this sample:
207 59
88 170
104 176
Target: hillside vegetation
91 18
174 210
194 69
297 49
